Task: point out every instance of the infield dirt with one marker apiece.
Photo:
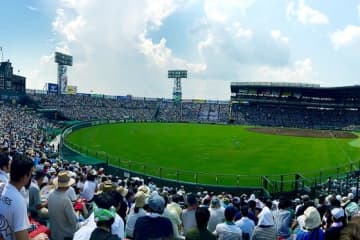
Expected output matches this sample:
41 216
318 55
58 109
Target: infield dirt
303 132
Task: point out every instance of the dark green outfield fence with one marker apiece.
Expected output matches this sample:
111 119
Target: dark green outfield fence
293 183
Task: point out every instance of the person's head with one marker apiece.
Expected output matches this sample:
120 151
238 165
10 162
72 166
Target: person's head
337 214
312 218
104 217
175 198
352 230
284 203
21 169
252 204
105 200
91 175
63 181
4 162
266 203
202 216
140 199
230 212
156 203
215 202
39 175
191 201
244 211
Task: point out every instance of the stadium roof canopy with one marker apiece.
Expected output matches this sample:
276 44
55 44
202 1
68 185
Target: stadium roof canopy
298 90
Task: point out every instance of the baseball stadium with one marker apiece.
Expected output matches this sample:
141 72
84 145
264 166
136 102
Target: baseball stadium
274 136
267 131
269 140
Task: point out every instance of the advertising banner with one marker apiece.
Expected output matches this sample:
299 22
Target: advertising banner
71 89
53 88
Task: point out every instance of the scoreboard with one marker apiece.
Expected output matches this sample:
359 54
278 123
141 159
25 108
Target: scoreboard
177 74
63 59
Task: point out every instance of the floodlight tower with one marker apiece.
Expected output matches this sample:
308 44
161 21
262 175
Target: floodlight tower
177 75
63 61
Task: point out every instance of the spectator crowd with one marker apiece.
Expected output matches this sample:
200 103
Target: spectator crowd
44 197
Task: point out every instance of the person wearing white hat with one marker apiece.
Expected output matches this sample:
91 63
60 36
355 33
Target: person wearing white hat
312 228
153 225
265 229
351 208
337 218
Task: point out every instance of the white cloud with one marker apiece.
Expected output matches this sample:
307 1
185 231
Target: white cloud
305 14
112 48
158 10
232 46
162 56
217 11
240 32
120 48
277 36
348 36
300 71
69 28
31 8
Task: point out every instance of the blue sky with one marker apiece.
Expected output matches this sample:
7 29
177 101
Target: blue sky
126 47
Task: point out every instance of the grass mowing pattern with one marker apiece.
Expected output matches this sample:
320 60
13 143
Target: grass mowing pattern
215 149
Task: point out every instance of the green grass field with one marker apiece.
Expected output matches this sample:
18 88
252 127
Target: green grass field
223 154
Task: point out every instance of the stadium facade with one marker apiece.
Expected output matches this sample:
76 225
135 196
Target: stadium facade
12 86
295 105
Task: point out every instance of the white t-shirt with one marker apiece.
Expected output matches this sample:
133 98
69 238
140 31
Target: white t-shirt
13 212
131 220
175 221
216 216
228 232
188 219
88 190
89 225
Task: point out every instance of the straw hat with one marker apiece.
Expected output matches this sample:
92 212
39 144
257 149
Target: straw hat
63 180
107 186
145 189
123 191
345 201
140 199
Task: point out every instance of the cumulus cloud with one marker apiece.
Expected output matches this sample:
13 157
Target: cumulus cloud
119 47
217 11
111 44
350 35
300 71
305 14
162 56
239 32
277 36
242 47
69 28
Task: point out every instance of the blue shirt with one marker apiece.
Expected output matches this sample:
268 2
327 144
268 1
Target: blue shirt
246 225
311 235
